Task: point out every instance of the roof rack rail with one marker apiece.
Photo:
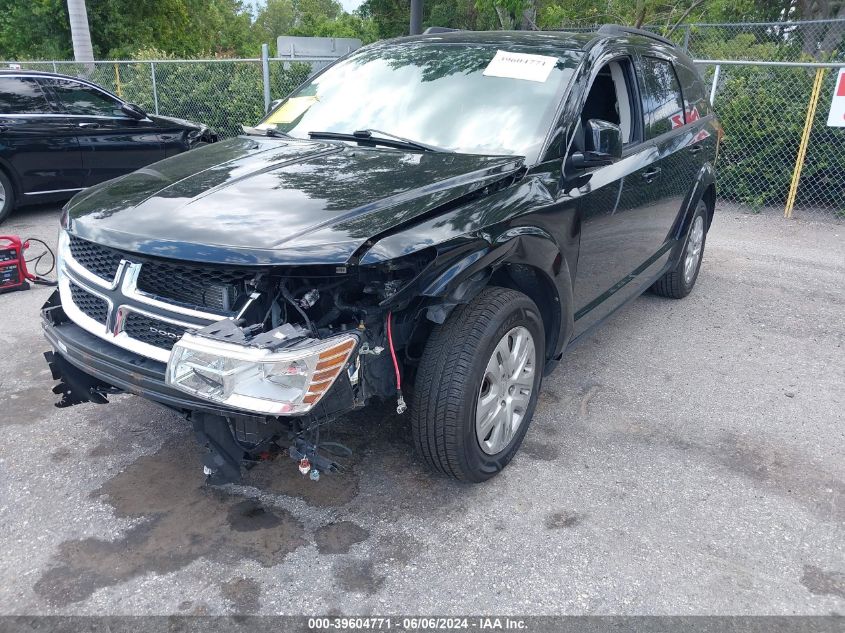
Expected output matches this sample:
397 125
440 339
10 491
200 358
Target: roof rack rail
438 29
619 29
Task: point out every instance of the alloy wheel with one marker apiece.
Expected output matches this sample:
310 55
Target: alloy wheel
505 391
694 244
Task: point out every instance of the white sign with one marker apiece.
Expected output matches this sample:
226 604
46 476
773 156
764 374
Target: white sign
836 118
520 66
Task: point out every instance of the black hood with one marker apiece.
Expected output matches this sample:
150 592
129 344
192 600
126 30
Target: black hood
253 200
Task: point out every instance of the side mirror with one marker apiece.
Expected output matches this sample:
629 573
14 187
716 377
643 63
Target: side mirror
133 111
605 138
274 104
604 146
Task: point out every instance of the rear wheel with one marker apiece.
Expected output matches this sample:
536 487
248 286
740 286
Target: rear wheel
678 282
477 385
7 196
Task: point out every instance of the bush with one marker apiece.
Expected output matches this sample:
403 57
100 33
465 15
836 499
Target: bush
223 94
763 111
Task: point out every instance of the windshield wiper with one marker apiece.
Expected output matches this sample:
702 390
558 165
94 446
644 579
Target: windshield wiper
254 131
377 137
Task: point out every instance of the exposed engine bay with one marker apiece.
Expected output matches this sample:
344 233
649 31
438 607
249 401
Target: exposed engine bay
288 316
298 349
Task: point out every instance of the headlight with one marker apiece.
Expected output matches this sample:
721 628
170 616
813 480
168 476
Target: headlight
282 382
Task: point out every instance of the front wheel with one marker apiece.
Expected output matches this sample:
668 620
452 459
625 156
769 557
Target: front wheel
7 196
477 385
678 282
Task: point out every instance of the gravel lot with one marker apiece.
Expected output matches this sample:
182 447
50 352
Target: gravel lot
689 458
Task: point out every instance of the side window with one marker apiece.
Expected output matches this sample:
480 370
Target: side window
19 95
696 100
78 98
663 105
610 99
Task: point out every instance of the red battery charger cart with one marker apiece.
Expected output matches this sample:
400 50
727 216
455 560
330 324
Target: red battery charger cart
13 271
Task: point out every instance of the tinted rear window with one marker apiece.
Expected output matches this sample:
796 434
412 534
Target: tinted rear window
663 106
77 98
696 101
19 95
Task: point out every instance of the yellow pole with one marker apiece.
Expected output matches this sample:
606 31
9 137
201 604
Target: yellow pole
805 140
117 80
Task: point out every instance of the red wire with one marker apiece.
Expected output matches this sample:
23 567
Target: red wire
393 353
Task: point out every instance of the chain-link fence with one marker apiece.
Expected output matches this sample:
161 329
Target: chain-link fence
222 93
809 40
778 154
819 40
766 161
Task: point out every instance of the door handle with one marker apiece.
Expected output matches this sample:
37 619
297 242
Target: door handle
89 125
695 149
652 173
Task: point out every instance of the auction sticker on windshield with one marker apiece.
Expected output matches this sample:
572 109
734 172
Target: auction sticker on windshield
520 66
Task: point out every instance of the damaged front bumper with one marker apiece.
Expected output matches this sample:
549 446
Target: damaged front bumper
89 368
105 367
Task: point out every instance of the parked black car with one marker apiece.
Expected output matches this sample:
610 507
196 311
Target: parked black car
449 211
60 134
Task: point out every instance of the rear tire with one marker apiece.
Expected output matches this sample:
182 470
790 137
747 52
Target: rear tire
7 196
480 370
679 282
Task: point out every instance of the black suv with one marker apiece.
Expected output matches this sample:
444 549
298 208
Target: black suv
437 217
59 134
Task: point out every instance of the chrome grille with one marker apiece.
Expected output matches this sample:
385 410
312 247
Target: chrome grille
200 286
89 304
207 287
100 260
152 331
113 307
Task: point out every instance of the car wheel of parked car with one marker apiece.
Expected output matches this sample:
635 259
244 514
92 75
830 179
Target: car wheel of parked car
477 385
7 196
678 282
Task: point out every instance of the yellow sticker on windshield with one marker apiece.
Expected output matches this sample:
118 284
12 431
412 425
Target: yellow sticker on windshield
291 110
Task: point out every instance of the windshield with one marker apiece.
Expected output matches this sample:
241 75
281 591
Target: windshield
471 98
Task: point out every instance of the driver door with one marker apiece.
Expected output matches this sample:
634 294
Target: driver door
611 199
111 143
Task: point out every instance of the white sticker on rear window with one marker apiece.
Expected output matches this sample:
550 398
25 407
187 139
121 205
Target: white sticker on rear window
520 66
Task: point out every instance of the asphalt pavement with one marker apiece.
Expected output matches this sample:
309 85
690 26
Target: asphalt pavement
688 458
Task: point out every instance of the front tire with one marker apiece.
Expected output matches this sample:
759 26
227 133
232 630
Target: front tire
678 282
477 385
7 196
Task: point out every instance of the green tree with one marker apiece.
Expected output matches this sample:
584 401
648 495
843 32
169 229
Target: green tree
321 18
185 28
389 17
39 28
276 17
